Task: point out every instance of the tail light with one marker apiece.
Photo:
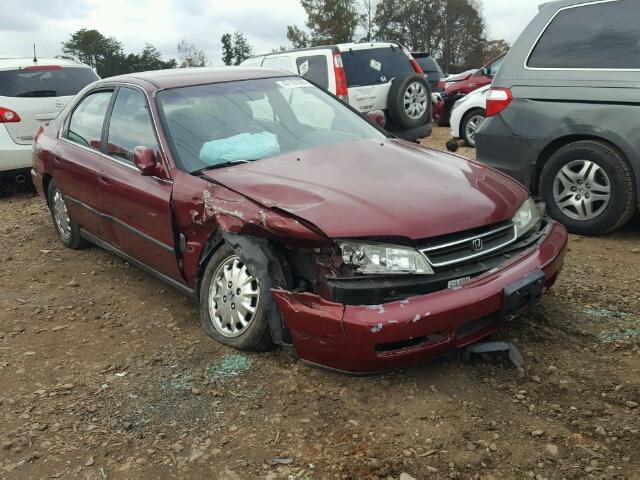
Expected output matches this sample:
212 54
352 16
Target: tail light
416 68
8 116
497 100
341 78
377 117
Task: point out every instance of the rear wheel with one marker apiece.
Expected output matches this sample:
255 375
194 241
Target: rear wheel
66 227
588 186
470 125
232 304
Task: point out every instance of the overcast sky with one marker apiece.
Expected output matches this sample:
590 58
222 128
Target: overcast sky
165 22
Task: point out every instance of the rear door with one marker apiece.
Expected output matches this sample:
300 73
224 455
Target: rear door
316 66
370 72
138 218
38 93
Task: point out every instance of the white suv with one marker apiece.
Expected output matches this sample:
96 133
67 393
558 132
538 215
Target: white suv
33 92
369 77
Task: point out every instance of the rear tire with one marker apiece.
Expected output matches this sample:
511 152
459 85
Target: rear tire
589 187
233 309
66 227
470 124
409 101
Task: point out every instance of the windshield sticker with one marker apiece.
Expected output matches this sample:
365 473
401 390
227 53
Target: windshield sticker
375 64
304 67
293 83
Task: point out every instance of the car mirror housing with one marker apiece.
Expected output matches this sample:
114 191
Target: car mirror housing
486 71
146 161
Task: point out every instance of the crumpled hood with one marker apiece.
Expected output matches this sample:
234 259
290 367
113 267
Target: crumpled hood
373 188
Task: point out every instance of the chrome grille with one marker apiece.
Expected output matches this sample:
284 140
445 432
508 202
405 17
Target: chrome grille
465 246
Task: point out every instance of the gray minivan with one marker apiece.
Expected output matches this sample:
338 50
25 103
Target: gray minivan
563 114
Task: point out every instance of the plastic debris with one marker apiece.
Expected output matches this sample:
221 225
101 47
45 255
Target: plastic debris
515 357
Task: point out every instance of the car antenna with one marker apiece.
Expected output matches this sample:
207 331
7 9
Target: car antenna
35 59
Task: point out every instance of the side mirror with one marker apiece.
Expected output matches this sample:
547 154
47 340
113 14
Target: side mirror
486 71
145 159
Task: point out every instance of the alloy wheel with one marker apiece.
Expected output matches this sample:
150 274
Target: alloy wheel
61 215
415 100
234 295
471 127
582 190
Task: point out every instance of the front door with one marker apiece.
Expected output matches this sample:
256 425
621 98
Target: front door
139 219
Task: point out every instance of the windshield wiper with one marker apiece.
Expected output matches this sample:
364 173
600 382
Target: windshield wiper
220 165
38 93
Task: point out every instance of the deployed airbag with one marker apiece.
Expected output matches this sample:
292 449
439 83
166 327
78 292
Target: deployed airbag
245 146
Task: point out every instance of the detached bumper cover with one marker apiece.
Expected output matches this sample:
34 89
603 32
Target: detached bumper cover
371 338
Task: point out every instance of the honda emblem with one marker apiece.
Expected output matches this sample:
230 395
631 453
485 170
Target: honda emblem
476 245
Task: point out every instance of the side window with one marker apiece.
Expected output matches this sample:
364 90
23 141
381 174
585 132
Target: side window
311 110
279 63
85 124
601 35
314 68
130 125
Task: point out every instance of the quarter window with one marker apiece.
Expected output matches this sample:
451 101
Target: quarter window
601 35
85 125
314 68
130 125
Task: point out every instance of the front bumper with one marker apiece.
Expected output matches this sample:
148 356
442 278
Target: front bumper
373 338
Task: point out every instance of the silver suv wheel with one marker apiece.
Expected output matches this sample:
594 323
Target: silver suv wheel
415 100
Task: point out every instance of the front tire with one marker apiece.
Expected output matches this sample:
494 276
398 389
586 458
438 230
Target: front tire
232 305
66 227
589 187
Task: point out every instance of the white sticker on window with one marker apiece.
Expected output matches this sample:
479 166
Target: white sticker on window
375 64
304 67
293 83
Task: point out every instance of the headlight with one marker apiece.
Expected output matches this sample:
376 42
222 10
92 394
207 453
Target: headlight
526 217
381 258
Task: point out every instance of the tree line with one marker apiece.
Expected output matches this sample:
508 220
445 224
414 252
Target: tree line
107 55
453 31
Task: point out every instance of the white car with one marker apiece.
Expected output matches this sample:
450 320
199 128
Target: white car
32 93
368 76
467 115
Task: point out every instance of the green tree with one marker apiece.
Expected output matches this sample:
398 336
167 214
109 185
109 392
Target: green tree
149 59
298 37
93 48
227 49
190 56
241 48
328 21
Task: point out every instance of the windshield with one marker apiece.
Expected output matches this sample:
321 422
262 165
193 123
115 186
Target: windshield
215 125
41 81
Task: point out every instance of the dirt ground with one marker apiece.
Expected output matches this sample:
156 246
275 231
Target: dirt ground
106 374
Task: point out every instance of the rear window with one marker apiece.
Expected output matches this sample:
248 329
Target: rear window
602 35
429 65
375 65
53 82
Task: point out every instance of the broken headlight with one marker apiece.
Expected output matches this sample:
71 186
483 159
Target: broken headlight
382 258
526 217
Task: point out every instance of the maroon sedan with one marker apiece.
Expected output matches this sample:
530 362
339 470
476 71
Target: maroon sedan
291 219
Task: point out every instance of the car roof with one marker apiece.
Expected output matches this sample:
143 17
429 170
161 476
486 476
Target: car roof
556 4
23 62
340 47
183 77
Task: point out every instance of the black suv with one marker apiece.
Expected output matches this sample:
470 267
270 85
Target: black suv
564 112
431 69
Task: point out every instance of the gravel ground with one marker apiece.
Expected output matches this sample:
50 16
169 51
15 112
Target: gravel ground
106 374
